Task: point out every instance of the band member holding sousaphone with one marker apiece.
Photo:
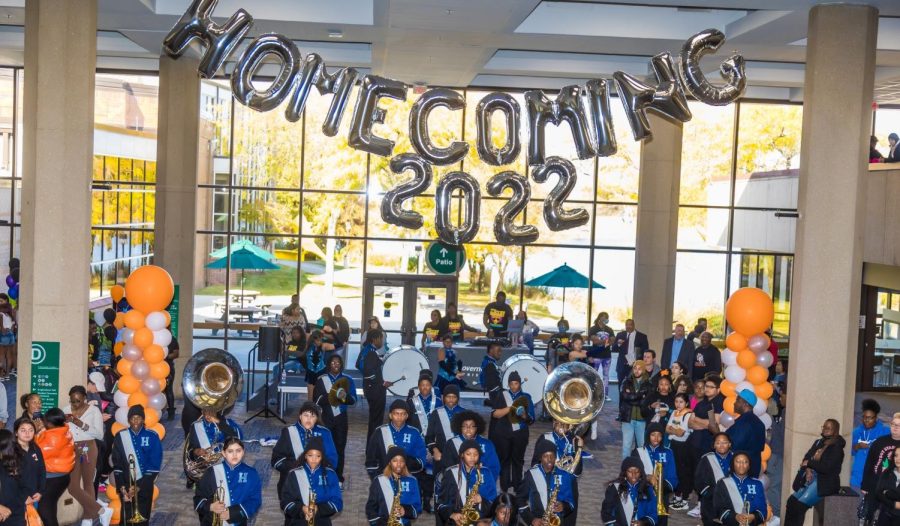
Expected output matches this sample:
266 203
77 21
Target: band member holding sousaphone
311 493
546 495
230 492
394 496
469 425
630 499
294 439
396 433
334 392
468 490
204 442
513 412
657 460
740 500
136 460
567 445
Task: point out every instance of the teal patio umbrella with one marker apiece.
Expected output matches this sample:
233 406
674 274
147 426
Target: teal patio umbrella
564 277
238 245
243 259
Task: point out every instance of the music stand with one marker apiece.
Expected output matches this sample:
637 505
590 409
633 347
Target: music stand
271 349
514 331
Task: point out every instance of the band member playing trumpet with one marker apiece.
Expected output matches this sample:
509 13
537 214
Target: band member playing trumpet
513 412
469 425
739 499
546 494
311 493
654 452
292 443
394 496
136 459
395 433
208 433
334 392
230 492
630 499
466 488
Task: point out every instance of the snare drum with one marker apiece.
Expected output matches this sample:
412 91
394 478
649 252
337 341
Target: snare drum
402 366
533 374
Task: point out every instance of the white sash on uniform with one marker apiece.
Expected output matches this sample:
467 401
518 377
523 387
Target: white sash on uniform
128 446
200 429
445 422
303 482
222 482
423 415
718 474
457 441
737 502
509 401
386 490
646 460
296 444
326 382
462 482
387 437
627 505
537 475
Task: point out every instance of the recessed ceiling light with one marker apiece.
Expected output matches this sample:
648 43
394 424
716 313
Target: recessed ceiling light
335 33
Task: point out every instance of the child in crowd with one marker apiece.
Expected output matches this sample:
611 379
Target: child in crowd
450 367
678 432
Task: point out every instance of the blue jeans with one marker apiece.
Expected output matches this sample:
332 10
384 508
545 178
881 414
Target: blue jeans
632 436
292 366
604 367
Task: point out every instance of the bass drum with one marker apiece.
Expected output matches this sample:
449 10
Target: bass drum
533 374
402 366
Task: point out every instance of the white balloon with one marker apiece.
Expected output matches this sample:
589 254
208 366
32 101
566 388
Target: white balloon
121 399
737 388
735 374
127 336
766 420
122 415
162 338
760 407
155 321
765 480
725 420
98 317
729 357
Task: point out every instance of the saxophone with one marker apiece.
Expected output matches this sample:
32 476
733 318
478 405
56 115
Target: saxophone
311 516
394 519
469 511
550 518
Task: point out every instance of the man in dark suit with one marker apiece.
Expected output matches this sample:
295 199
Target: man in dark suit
677 349
630 344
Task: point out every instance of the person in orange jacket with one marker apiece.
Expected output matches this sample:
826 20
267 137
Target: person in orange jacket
58 449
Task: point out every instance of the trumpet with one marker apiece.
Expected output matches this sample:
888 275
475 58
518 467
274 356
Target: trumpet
660 481
219 497
311 514
136 516
745 510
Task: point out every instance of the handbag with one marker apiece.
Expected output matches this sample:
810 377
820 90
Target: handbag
31 517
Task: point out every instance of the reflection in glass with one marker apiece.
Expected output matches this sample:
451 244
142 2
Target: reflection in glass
700 290
703 228
545 305
768 155
614 269
707 147
774 275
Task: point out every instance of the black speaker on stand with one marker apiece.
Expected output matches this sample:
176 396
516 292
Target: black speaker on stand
269 346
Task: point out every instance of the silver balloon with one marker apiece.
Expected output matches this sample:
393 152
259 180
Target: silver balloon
392 211
490 103
220 41
725 420
758 343
597 92
131 352
695 81
467 231
505 231
339 84
666 98
252 59
150 386
636 97
568 107
555 216
419 135
765 359
367 113
140 369
157 401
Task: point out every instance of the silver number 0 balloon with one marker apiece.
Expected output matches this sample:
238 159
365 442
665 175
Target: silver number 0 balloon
505 231
392 211
472 200
556 218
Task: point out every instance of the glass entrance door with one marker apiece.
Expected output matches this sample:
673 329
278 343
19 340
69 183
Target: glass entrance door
403 304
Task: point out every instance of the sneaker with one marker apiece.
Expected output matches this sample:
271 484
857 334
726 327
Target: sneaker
679 505
695 511
608 399
106 516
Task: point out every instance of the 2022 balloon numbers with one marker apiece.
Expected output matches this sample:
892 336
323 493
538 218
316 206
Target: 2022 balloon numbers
584 108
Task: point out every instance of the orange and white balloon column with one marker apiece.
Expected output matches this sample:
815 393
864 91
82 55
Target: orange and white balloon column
145 340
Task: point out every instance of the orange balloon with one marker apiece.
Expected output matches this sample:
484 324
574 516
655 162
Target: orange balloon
116 427
124 367
117 292
728 405
745 359
129 384
160 430
168 317
162 384
154 354
155 491
150 288
143 338
764 390
151 417
134 319
117 348
769 512
766 453
137 398
119 322
116 507
748 311
764 466
728 388
159 370
757 375
736 341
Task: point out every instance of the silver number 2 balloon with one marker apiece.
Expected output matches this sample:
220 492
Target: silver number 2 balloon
392 211
555 216
505 231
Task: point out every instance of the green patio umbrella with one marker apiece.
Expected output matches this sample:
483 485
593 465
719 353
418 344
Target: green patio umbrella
238 245
564 277
243 259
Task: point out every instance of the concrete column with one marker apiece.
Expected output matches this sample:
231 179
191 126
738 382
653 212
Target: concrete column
657 231
176 188
60 60
837 119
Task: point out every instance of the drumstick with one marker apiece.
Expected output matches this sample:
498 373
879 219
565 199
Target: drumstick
398 379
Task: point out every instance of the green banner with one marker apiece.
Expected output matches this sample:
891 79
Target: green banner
45 371
172 309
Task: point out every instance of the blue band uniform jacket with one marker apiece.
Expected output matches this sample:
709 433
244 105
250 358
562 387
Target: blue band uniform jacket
730 494
635 502
407 437
292 443
297 485
243 493
455 484
381 498
534 493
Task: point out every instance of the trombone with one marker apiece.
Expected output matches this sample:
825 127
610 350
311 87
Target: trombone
136 517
